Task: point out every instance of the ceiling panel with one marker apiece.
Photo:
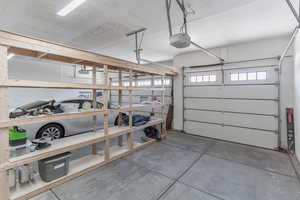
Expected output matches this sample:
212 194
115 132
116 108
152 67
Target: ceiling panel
101 25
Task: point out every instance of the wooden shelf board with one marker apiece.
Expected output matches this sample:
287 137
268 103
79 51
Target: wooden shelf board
73 142
117 151
66 144
135 107
64 116
138 146
48 118
34 47
136 88
77 168
55 85
151 123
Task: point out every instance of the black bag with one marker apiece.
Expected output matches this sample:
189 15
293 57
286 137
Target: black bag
152 132
137 120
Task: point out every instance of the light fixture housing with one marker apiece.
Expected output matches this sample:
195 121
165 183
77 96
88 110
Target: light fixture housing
10 56
70 7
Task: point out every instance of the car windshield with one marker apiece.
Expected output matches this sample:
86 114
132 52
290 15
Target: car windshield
33 105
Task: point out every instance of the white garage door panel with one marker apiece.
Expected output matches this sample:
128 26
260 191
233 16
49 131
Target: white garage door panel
250 106
202 129
251 121
240 135
204 116
206 91
207 104
230 105
250 92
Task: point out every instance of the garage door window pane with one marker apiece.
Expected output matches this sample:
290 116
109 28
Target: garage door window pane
157 82
252 76
212 78
261 75
167 82
242 76
234 77
205 78
193 79
199 78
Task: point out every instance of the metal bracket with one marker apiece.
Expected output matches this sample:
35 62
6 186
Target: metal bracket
137 46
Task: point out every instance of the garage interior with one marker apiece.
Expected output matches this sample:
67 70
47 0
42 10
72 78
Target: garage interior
150 100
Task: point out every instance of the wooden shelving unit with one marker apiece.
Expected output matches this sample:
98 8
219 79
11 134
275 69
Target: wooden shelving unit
41 49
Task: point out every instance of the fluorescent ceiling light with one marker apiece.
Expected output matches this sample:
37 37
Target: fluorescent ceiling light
71 6
10 56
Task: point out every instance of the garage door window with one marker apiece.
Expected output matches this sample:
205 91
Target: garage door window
250 76
202 78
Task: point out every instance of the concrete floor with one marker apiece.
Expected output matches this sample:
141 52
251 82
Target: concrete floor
188 168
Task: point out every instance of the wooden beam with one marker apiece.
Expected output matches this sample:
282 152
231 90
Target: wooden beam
163 111
120 139
135 88
41 55
106 117
130 135
94 146
33 44
77 61
43 84
48 118
57 85
4 145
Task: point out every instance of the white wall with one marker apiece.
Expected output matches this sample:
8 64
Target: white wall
246 51
21 68
297 93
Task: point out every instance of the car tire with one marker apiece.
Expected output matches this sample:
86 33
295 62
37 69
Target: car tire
54 131
124 116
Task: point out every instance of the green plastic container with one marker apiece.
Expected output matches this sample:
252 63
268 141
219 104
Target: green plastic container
17 136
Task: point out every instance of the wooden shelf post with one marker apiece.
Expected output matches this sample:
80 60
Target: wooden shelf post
4 151
106 117
33 47
163 110
94 146
130 135
120 139
152 93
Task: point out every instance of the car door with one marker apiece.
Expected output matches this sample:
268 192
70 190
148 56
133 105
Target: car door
100 118
77 125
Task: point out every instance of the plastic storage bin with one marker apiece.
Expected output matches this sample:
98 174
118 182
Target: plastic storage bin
17 136
54 167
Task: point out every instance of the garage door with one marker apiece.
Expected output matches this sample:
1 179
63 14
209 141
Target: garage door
235 102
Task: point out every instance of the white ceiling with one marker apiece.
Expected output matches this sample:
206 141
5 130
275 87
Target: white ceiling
101 25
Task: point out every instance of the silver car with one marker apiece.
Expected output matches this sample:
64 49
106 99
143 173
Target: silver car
61 128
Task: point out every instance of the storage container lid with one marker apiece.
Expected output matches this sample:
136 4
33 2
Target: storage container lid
56 158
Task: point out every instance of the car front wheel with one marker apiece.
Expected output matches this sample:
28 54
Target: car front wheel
53 131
